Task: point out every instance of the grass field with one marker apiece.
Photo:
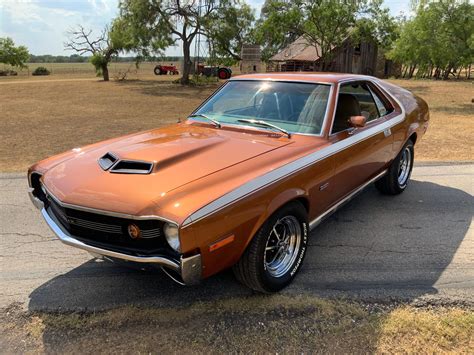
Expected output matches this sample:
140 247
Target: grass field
87 70
258 324
42 116
451 132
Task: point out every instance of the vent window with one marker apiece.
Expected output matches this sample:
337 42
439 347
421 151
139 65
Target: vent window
132 167
107 161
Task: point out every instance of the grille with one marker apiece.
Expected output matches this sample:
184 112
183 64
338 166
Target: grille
110 232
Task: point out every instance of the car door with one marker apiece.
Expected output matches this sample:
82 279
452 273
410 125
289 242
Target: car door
362 152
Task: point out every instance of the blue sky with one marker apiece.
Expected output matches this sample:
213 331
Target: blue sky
41 25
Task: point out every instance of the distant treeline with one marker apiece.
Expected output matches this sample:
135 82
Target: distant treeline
75 58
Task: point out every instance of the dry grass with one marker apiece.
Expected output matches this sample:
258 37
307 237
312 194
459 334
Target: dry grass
42 116
445 330
256 324
87 69
47 117
451 132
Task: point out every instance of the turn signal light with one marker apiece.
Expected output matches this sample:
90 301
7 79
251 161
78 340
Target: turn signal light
221 243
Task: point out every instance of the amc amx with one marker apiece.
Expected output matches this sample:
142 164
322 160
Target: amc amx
241 182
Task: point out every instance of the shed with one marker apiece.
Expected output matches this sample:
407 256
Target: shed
349 57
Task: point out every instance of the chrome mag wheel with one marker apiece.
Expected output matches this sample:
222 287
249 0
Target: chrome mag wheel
404 167
282 246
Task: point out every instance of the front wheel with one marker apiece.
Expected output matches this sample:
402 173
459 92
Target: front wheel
399 172
276 252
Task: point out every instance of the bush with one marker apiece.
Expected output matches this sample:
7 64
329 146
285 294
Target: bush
41 71
8 73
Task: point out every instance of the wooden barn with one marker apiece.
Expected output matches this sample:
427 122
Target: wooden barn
358 58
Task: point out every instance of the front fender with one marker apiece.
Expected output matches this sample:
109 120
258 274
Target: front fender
280 200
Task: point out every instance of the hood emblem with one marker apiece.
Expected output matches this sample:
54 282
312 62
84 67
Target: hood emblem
134 231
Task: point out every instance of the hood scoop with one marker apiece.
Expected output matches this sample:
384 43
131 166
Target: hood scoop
117 166
107 161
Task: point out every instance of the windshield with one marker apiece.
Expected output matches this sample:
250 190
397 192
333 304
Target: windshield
295 107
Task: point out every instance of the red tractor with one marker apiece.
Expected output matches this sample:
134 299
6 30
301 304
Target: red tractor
220 72
165 69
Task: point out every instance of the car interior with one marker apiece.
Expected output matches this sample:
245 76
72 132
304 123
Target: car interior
357 99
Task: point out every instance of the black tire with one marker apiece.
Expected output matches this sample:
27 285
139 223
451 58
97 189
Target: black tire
157 70
223 73
252 269
393 183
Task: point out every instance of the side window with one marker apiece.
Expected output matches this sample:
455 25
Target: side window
355 99
383 108
363 94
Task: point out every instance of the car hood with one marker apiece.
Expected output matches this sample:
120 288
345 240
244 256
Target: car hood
181 154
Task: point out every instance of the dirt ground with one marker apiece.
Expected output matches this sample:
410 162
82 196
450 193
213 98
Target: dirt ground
42 116
270 324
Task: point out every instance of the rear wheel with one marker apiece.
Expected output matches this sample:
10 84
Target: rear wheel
276 252
399 172
223 73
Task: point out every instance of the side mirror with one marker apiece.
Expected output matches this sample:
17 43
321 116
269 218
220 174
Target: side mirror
357 121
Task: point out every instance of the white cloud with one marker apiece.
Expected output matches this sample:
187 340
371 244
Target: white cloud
42 25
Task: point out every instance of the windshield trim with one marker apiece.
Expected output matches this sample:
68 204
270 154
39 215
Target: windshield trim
323 125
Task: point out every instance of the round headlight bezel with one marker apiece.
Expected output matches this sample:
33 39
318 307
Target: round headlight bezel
171 232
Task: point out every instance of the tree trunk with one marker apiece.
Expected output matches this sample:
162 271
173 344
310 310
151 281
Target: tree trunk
412 71
405 72
105 72
446 73
468 75
187 63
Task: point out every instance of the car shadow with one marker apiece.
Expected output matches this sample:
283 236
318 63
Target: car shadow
376 247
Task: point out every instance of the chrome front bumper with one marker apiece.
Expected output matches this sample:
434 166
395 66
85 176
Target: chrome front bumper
188 268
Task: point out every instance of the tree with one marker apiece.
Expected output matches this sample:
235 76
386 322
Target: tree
377 26
325 24
102 48
157 24
228 29
279 25
441 50
14 56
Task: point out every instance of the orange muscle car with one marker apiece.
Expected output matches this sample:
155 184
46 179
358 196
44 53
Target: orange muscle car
241 182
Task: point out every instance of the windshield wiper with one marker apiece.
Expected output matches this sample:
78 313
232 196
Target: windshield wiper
265 124
216 122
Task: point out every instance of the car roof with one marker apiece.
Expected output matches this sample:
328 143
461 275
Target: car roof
330 78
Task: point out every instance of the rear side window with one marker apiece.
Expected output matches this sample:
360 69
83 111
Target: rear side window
381 106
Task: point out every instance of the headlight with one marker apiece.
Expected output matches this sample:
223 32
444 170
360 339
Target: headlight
172 236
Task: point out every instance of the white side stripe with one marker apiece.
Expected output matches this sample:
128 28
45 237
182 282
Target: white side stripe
290 168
